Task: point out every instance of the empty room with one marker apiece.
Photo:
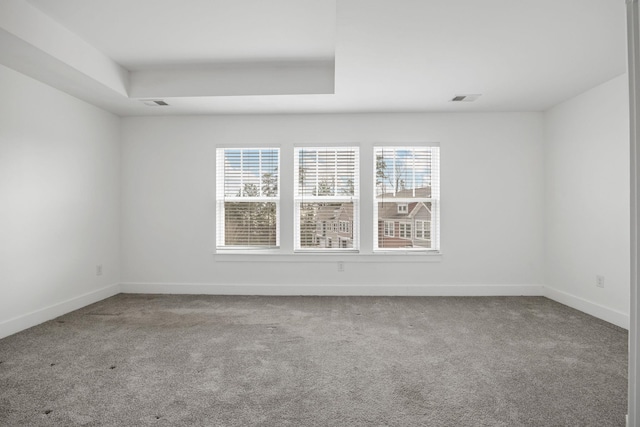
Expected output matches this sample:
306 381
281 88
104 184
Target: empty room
318 212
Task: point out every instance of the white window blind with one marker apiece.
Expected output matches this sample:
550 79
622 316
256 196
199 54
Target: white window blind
247 198
326 196
406 198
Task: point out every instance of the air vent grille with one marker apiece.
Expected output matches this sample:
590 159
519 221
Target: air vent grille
154 102
466 98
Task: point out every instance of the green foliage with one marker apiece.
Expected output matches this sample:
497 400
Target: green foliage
253 223
349 190
381 167
249 190
324 188
269 184
250 224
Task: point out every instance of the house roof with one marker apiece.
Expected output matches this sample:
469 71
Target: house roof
389 211
424 192
332 212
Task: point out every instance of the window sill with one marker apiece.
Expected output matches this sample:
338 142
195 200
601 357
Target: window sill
323 257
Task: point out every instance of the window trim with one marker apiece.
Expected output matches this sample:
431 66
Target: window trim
403 228
221 198
434 200
425 229
354 199
392 228
368 250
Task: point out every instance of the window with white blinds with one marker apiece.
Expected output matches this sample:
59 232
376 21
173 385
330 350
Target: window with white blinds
406 198
247 198
326 198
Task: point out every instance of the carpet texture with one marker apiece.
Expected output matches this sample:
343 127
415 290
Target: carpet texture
190 360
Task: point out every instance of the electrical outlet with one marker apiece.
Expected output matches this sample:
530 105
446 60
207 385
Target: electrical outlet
99 270
600 281
340 266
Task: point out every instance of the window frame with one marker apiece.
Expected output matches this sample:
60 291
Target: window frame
392 228
404 228
425 229
222 198
364 215
434 200
299 198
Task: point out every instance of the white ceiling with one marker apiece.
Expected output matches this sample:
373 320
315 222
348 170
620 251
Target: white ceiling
390 56
142 33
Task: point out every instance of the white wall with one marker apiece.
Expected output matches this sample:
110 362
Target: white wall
517 212
492 194
59 202
587 200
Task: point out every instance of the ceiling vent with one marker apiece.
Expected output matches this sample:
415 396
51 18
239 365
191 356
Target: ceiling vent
465 98
154 102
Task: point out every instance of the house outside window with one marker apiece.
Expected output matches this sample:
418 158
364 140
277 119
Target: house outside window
325 199
406 198
247 198
326 189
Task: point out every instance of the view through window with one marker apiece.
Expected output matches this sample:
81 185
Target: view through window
248 208
406 198
325 202
326 197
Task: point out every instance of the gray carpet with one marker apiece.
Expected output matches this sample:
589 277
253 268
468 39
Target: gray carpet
136 360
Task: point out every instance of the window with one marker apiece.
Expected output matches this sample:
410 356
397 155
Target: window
247 198
406 188
321 201
326 189
423 230
405 230
388 228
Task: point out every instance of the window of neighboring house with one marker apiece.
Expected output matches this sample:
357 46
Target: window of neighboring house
423 230
388 228
405 230
406 183
343 243
247 198
326 187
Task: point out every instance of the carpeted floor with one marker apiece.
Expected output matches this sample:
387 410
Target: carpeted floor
168 360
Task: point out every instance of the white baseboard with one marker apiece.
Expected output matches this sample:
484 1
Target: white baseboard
25 321
333 290
475 290
19 323
618 318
